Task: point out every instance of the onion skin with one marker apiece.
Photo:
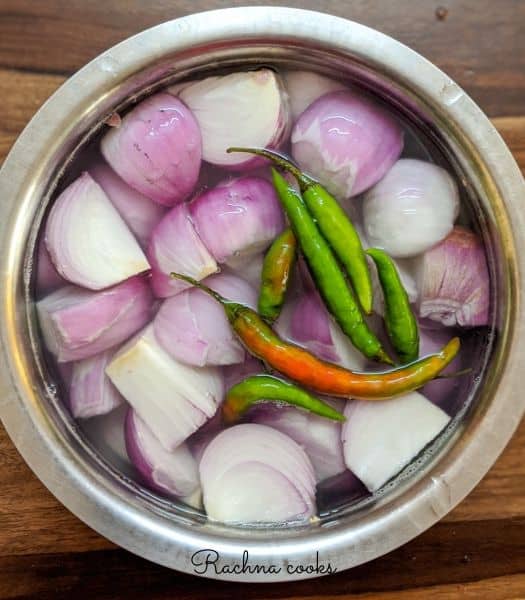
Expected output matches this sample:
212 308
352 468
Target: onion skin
238 218
84 229
454 281
174 474
411 209
139 212
347 142
176 246
193 328
157 149
253 473
224 109
78 323
305 87
91 393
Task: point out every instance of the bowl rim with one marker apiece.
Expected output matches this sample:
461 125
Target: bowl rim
111 512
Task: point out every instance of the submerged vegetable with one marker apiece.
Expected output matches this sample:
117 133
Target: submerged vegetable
47 277
305 87
333 223
318 375
380 439
400 321
78 323
454 281
157 149
238 108
88 241
276 272
259 388
251 473
347 142
193 328
411 209
174 400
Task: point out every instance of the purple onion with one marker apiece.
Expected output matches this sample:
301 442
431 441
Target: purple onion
381 438
172 473
48 278
411 209
89 243
193 328
174 400
139 212
305 87
234 374
91 393
240 217
175 246
347 142
239 109
253 473
454 281
340 490
78 323
157 149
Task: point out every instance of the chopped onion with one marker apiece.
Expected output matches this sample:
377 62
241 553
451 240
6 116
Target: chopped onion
347 142
176 246
78 323
174 400
454 281
341 489
234 374
305 87
193 328
157 149
319 437
139 212
253 473
88 241
411 209
47 277
173 473
240 109
249 268
91 393
381 438
238 218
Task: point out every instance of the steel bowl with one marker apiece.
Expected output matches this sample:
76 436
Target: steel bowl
30 407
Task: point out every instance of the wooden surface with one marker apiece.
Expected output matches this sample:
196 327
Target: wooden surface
478 551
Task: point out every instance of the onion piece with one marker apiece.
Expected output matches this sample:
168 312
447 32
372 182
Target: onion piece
91 393
238 218
248 268
305 87
454 281
381 438
234 374
411 209
253 473
48 278
347 142
78 323
241 109
339 490
172 473
193 328
88 241
157 149
320 438
139 212
174 400
176 246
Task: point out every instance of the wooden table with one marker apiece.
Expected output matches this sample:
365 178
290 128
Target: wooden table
478 551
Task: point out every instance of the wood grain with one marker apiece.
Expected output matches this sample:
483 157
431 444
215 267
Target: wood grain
478 551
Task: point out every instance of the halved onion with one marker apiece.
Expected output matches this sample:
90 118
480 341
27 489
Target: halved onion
172 473
157 149
139 212
193 328
238 218
381 438
347 142
253 473
78 323
87 239
174 400
176 246
241 109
